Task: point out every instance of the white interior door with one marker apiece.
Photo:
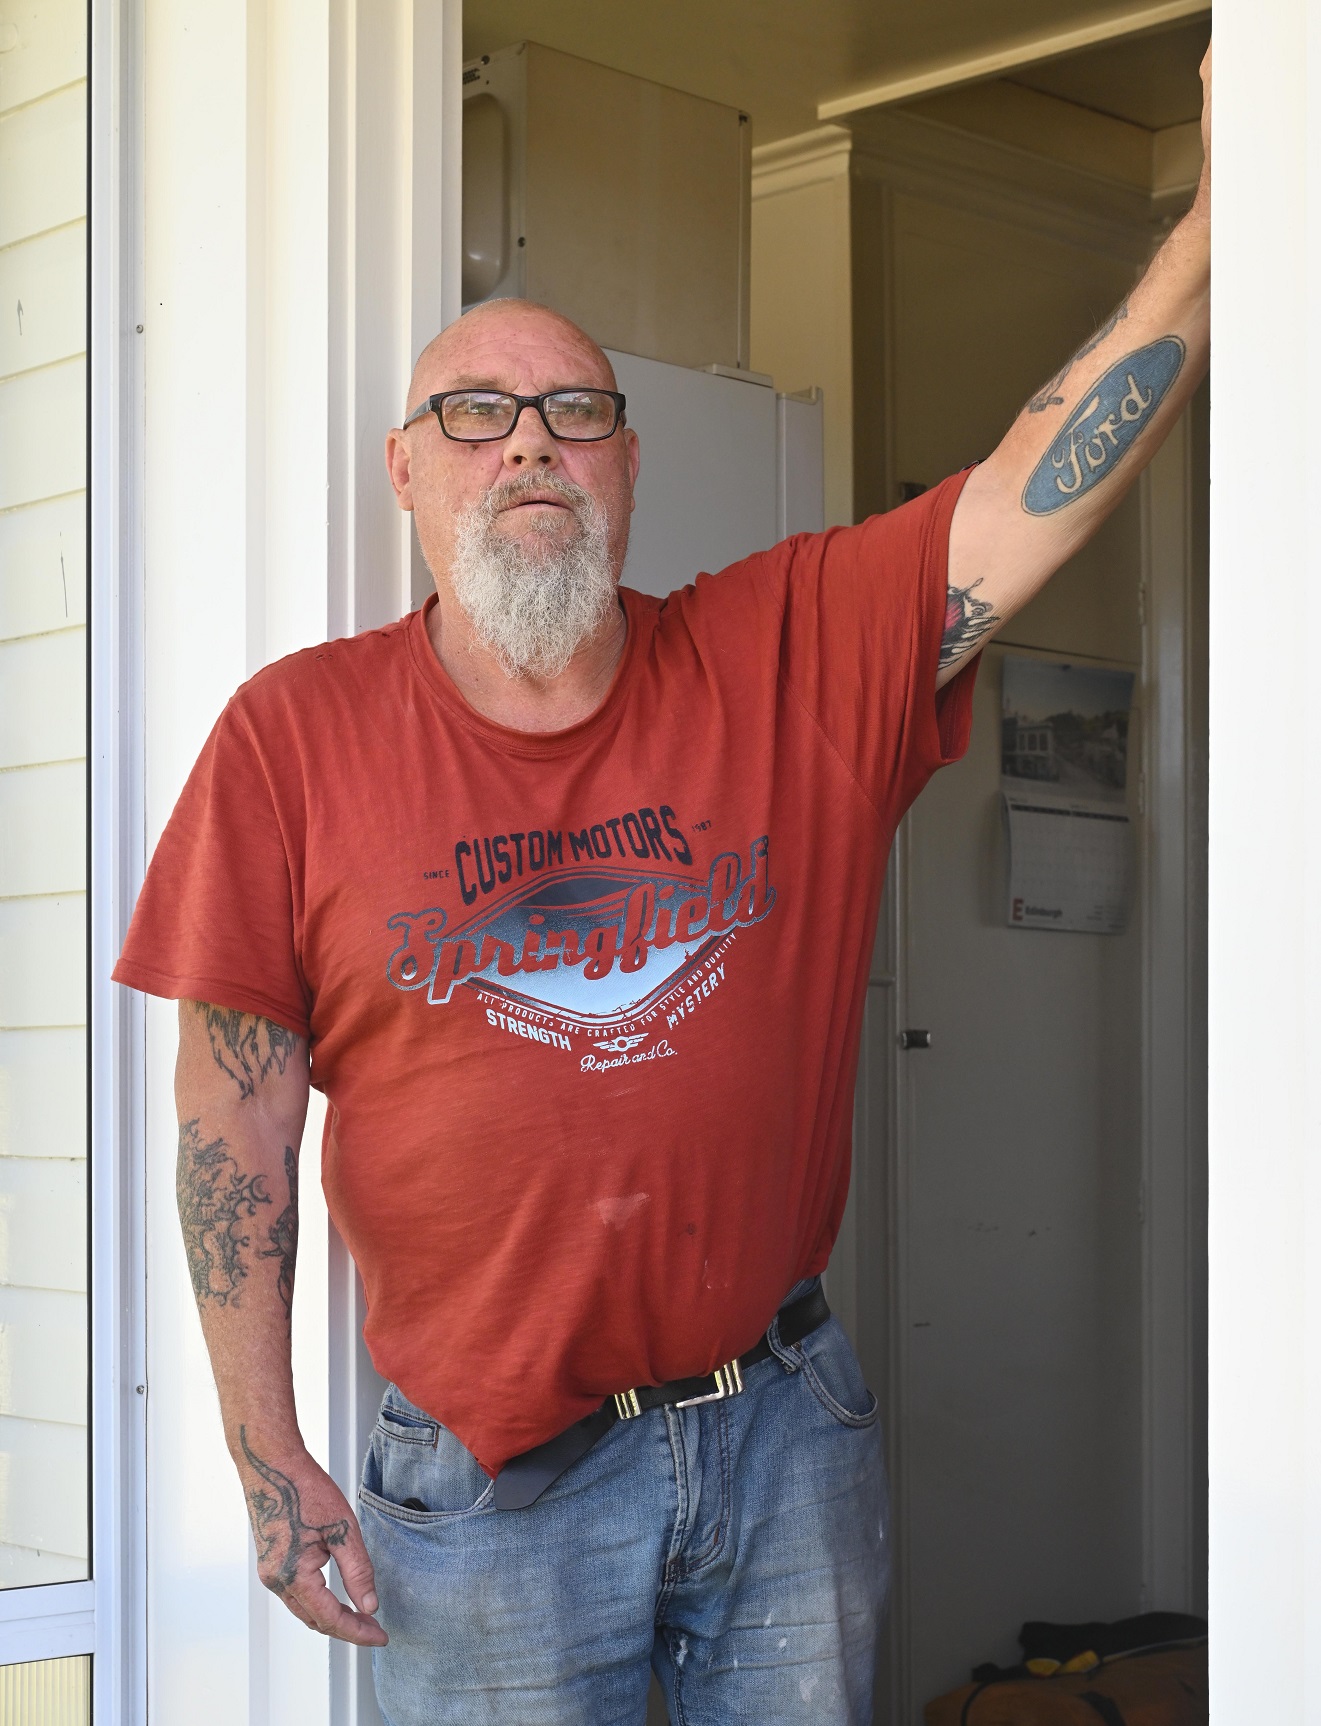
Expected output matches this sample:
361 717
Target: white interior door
1021 1301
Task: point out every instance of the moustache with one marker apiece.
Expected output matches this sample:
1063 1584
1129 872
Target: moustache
511 492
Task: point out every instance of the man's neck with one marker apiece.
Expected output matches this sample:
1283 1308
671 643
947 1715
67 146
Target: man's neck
534 704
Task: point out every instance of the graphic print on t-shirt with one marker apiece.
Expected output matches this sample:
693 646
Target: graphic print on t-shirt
591 953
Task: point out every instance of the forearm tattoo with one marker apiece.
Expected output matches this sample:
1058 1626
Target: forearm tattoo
284 1236
218 1208
217 1205
1104 426
246 1046
281 1535
1046 397
967 620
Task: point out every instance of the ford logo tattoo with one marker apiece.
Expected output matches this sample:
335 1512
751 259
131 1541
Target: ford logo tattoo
1114 412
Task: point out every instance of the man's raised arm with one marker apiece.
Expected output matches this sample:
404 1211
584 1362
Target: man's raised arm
241 1090
1083 439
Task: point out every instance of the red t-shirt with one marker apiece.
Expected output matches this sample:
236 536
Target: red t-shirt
585 1006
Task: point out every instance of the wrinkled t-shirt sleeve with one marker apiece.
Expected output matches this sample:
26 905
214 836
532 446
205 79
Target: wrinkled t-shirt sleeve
215 920
860 646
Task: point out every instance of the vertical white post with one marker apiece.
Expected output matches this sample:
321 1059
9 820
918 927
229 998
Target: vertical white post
1168 1127
395 225
198 531
115 841
288 608
1265 872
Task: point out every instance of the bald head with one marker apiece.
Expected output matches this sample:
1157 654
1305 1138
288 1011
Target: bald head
462 353
536 497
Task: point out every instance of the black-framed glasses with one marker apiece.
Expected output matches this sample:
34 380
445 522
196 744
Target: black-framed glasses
483 416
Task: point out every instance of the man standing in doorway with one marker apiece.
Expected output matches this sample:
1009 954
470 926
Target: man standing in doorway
565 897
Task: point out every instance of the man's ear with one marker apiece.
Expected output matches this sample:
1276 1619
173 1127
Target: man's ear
398 467
634 463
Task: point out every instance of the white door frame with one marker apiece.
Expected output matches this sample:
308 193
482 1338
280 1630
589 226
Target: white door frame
1264 961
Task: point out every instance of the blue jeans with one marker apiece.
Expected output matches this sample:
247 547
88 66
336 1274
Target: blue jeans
739 1549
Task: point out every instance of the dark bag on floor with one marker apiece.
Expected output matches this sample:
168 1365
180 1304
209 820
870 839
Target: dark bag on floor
1147 1671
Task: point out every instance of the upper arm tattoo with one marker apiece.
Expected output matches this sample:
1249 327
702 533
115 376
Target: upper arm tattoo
1045 396
246 1046
967 620
1104 426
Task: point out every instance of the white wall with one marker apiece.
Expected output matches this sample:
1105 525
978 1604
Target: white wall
292 150
1265 871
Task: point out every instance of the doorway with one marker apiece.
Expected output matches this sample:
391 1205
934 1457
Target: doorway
1021 1264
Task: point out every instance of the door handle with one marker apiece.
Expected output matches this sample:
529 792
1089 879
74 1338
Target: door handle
914 1039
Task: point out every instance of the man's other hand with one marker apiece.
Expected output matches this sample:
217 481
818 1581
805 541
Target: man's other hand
300 1520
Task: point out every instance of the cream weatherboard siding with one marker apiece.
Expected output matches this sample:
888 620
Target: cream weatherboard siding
45 1692
43 1260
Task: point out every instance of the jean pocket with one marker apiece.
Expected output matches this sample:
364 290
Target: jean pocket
407 1426
834 1376
416 1471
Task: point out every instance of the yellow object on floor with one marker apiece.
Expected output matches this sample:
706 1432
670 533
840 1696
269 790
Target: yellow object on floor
1168 1689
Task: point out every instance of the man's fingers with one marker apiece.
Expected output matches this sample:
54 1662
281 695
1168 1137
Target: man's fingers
355 1569
359 1580
294 1605
330 1616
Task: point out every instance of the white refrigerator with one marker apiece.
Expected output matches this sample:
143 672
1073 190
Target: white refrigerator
728 467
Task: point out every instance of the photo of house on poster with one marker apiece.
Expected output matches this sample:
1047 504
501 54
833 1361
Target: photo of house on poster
1064 795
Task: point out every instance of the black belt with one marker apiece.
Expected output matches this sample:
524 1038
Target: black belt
524 1478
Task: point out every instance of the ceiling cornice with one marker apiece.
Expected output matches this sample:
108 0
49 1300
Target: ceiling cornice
822 154
1013 56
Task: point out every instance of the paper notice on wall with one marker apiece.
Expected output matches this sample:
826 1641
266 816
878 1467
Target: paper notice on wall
1064 784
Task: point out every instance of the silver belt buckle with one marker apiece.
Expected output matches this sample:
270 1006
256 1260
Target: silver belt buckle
729 1382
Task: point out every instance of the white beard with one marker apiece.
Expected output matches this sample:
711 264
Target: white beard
533 602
